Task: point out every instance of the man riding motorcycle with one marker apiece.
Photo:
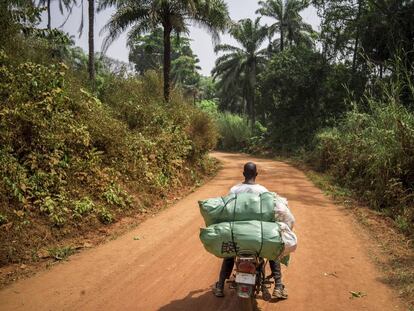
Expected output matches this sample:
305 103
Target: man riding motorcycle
250 186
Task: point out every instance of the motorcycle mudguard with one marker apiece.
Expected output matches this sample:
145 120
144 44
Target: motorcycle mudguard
244 290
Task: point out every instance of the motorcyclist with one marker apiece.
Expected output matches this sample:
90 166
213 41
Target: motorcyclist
250 186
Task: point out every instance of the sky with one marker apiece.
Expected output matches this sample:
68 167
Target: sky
201 43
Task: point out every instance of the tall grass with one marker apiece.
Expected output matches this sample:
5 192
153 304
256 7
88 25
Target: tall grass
372 151
235 131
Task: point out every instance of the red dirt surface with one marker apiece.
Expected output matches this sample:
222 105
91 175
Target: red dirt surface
162 265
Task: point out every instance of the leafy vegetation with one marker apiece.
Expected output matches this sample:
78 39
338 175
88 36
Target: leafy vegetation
61 253
342 98
372 152
75 154
288 23
147 54
238 68
299 95
235 132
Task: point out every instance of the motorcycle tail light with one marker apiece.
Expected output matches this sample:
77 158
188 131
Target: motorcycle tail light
247 267
245 289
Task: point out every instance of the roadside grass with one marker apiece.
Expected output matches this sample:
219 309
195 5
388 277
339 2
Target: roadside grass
61 253
394 253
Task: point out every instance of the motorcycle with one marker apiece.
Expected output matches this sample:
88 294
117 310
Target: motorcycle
250 279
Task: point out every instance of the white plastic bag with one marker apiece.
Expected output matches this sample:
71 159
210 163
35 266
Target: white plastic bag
289 238
282 212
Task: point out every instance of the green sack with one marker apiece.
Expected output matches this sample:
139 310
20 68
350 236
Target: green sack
243 206
247 235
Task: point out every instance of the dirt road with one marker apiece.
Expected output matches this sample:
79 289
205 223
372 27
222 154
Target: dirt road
168 269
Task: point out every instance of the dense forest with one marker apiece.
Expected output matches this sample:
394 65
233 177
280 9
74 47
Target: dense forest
341 99
86 139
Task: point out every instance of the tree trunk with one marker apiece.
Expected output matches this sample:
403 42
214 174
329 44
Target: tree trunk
91 60
49 16
323 38
167 60
282 38
252 78
270 47
253 118
354 59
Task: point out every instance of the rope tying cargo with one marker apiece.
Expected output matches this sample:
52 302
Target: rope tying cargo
261 226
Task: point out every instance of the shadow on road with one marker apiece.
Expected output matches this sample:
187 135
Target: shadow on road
200 300
204 300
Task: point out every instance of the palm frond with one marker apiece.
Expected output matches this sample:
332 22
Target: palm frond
124 17
137 30
226 48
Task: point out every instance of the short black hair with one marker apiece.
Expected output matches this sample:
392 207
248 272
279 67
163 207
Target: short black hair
250 170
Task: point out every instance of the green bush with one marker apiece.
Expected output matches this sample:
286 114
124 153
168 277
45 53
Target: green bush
83 207
209 106
203 133
300 93
105 216
3 219
372 152
57 137
235 131
61 253
72 151
116 196
41 140
160 138
237 134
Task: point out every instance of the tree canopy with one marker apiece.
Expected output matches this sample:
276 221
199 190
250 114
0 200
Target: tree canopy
146 52
289 23
238 67
173 16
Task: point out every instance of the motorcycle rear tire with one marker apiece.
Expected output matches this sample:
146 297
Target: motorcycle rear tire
247 304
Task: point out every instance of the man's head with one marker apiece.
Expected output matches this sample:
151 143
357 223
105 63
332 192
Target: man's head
250 171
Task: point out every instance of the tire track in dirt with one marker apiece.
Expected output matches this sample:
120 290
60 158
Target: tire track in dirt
168 269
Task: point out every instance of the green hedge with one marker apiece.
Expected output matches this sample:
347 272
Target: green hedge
372 152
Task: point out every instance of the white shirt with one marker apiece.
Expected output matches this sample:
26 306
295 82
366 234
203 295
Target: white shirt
241 188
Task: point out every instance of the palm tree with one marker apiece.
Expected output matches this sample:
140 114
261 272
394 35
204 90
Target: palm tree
63 5
173 15
289 23
91 38
238 68
91 44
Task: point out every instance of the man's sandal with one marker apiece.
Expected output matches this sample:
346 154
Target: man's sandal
218 291
280 292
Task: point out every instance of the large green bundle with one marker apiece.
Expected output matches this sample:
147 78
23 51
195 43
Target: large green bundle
247 235
243 206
